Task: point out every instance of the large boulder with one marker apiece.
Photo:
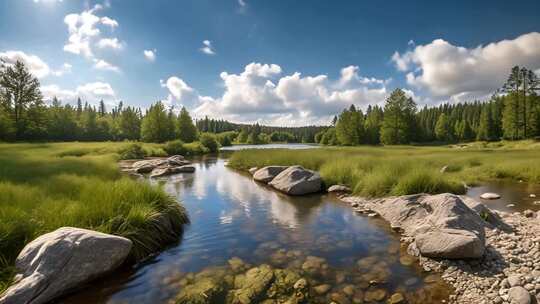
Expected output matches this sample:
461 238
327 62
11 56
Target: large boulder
442 225
153 163
62 260
267 174
296 180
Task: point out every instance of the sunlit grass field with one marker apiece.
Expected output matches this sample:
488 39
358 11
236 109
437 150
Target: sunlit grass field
47 186
398 170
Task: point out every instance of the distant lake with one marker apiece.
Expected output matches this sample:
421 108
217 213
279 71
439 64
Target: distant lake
270 146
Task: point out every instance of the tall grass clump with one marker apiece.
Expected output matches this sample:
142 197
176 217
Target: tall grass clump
396 170
45 188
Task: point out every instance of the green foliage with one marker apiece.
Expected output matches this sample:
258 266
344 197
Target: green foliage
443 131
133 151
398 122
156 125
209 141
350 127
7 126
486 127
175 147
88 191
226 138
185 129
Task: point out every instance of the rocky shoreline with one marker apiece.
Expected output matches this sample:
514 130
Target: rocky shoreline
507 273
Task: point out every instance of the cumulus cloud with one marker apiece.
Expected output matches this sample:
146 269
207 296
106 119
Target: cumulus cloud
90 92
35 65
456 73
111 43
150 55
208 48
260 93
242 3
100 64
85 36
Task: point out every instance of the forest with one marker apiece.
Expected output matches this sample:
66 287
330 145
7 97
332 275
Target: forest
512 113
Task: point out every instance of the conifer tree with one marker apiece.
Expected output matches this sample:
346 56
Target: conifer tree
186 130
398 119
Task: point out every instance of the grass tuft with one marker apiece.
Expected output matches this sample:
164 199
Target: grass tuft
381 171
45 187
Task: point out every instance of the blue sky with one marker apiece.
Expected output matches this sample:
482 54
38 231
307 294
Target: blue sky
276 62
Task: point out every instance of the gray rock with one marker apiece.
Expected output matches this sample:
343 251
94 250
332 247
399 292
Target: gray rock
165 171
519 295
62 260
442 225
253 170
490 196
153 163
339 189
267 174
177 160
514 280
296 180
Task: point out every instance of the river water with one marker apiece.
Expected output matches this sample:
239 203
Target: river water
233 216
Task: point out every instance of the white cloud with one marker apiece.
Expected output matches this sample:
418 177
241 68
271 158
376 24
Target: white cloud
242 3
35 65
109 22
208 48
101 64
179 91
85 36
90 92
112 43
261 94
150 55
446 71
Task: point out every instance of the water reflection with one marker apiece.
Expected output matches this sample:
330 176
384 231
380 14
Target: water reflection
233 216
270 146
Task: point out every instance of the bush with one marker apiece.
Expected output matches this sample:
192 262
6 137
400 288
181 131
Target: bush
224 139
195 148
209 141
133 151
175 147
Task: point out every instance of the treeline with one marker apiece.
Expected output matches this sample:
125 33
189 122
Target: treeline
513 113
256 134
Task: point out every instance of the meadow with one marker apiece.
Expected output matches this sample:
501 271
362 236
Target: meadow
47 186
373 171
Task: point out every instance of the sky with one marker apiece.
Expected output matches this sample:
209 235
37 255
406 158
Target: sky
286 63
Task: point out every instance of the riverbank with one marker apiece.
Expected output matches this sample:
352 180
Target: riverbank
48 186
399 170
509 270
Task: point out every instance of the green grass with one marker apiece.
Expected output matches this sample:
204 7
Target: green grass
399 170
47 186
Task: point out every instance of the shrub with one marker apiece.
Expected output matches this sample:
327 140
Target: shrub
175 147
209 141
133 151
195 148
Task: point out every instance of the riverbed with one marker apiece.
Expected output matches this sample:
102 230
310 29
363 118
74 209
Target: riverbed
234 217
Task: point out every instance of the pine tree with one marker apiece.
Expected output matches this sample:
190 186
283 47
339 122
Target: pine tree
443 130
398 121
485 127
130 124
22 99
155 125
350 127
185 129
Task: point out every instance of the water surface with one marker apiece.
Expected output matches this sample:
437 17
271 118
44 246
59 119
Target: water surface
233 216
515 196
270 146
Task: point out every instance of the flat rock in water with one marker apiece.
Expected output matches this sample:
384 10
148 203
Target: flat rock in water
267 174
177 160
296 180
62 260
490 196
443 225
165 171
253 170
153 163
339 189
